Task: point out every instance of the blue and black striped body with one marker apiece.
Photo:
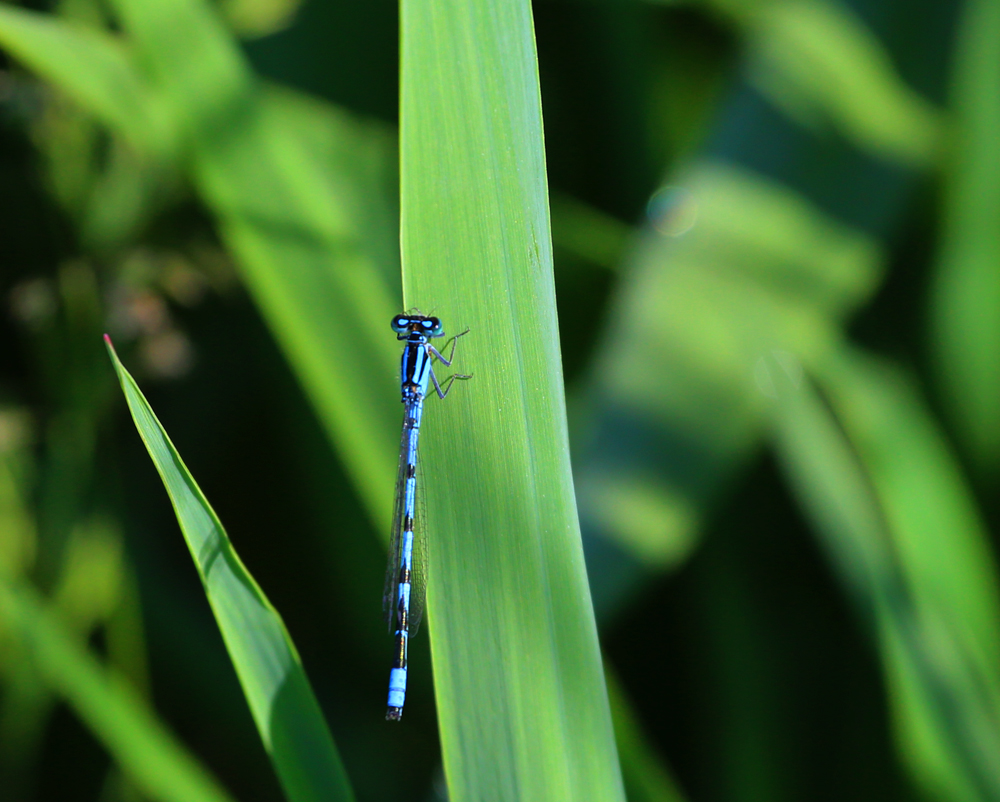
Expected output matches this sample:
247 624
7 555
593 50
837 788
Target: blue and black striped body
403 599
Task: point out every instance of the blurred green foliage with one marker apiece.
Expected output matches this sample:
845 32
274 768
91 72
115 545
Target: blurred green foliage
776 269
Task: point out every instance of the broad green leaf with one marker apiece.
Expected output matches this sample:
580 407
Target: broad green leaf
96 69
890 507
299 190
280 697
288 207
675 399
323 295
522 705
156 762
965 301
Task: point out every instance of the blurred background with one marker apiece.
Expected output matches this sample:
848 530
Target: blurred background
777 227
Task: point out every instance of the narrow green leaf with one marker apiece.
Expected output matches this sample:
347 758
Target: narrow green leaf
522 705
280 697
965 302
891 509
936 527
94 68
156 762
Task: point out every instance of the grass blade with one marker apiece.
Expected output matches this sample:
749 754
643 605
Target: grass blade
280 697
522 704
891 510
966 297
156 762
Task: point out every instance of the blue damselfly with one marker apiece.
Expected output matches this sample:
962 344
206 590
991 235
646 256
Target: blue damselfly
406 574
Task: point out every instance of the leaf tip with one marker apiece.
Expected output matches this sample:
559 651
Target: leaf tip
111 347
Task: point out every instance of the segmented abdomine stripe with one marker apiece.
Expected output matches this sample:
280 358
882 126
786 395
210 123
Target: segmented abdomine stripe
415 368
399 661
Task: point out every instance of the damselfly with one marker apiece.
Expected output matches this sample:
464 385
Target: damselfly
406 574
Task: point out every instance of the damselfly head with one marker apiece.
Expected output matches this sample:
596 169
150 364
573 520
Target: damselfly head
407 324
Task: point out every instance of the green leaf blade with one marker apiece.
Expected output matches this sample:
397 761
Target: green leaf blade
518 676
891 509
149 753
270 671
965 303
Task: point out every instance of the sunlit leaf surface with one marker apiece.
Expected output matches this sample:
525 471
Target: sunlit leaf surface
519 683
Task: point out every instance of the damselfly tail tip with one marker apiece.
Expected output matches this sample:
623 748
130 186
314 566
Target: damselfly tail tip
394 714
